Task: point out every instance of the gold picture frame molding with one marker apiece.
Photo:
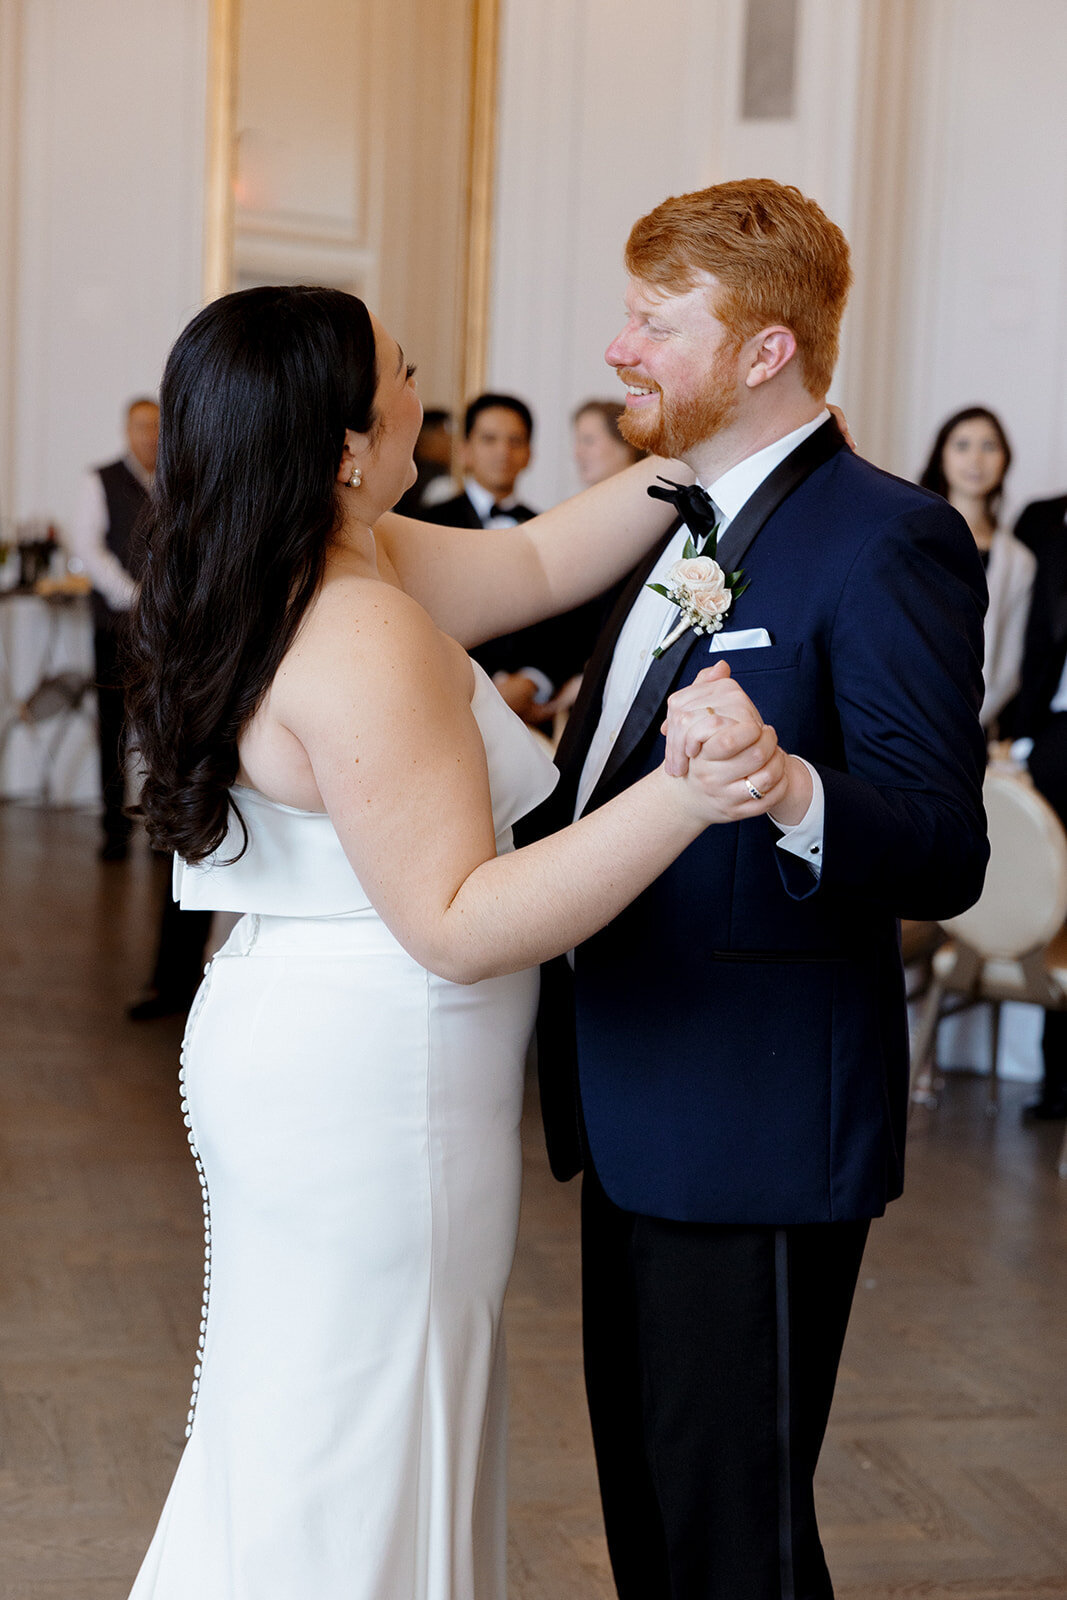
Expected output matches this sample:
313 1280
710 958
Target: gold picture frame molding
221 160
472 352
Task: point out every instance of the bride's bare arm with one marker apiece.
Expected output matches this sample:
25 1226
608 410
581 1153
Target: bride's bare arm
401 769
476 585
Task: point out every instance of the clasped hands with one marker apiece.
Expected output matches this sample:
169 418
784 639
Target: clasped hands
718 742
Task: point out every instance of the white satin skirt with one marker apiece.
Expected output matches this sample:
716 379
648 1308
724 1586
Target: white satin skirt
356 1123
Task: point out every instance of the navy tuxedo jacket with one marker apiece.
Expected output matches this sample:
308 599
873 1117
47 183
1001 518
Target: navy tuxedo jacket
733 1046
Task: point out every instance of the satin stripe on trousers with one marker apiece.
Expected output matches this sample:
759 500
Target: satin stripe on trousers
711 1356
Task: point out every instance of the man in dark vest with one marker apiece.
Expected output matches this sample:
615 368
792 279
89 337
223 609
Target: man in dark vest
103 537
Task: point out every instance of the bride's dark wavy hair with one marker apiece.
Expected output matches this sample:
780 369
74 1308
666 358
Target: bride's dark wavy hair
256 397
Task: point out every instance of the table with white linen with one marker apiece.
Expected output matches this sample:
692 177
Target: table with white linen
54 760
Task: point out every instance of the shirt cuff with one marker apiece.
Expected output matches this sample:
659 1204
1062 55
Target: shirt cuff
805 838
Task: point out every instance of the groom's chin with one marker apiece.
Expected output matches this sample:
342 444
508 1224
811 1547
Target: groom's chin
644 428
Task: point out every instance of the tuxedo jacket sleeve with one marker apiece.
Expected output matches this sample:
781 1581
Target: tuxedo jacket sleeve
904 822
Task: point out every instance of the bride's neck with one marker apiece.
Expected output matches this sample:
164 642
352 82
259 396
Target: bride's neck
354 543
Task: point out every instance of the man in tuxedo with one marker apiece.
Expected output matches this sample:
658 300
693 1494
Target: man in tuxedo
1038 718
530 666
729 1059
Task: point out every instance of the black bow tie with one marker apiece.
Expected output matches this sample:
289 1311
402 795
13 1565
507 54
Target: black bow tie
693 505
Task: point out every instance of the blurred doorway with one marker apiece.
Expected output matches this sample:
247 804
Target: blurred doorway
351 143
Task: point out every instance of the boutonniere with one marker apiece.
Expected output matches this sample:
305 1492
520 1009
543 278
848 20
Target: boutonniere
703 591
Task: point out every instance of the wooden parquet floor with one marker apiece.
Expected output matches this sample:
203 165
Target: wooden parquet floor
944 1475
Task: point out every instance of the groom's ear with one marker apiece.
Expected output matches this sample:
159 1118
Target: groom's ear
772 350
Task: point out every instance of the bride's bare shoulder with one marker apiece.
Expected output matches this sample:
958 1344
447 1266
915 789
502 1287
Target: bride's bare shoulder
361 630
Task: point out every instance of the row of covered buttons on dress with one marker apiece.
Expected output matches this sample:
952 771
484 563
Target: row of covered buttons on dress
188 1120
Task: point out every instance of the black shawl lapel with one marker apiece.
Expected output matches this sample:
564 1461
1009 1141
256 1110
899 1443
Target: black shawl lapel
645 714
570 756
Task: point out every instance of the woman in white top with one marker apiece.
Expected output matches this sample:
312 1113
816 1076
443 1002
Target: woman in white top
968 465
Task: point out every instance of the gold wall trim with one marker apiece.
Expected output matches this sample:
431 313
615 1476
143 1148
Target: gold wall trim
472 355
221 147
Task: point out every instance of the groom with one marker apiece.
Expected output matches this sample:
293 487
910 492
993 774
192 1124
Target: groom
728 1063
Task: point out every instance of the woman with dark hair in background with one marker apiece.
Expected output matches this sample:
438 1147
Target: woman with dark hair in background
322 756
967 466
599 448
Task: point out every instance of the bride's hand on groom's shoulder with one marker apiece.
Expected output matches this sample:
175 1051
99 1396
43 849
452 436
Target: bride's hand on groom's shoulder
719 745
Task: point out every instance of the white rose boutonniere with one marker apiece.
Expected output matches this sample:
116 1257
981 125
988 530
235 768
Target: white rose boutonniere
703 591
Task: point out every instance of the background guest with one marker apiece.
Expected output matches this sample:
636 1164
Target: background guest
1042 521
181 951
528 666
967 466
497 436
599 448
102 537
1039 721
433 463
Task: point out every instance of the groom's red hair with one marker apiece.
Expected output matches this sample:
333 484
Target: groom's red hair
775 253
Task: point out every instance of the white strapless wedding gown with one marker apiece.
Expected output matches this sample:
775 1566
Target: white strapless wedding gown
355 1121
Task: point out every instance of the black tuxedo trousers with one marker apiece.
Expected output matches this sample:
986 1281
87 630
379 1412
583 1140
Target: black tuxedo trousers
711 1354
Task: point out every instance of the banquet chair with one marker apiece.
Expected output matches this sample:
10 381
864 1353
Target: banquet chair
1010 945
56 699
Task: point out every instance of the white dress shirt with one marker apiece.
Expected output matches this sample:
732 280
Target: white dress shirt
651 619
87 539
483 501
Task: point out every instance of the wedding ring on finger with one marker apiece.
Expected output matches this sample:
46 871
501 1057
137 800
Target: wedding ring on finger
757 794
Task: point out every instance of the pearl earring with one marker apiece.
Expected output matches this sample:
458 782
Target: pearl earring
356 479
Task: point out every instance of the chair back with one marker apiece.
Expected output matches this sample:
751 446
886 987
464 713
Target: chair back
1024 901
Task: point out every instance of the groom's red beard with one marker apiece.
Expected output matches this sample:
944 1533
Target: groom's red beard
676 426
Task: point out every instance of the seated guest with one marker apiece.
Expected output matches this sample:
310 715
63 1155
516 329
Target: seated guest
101 537
529 666
497 435
1039 721
599 448
967 466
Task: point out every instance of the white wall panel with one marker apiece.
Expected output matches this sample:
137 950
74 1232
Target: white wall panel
607 108
984 246
108 232
933 131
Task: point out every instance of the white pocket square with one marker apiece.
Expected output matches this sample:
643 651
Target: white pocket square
740 639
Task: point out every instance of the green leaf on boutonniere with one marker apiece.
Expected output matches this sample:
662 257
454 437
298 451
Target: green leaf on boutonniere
666 593
689 550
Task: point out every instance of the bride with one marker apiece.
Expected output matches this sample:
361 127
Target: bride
323 756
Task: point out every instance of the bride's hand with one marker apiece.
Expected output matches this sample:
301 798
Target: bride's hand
842 423
719 745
